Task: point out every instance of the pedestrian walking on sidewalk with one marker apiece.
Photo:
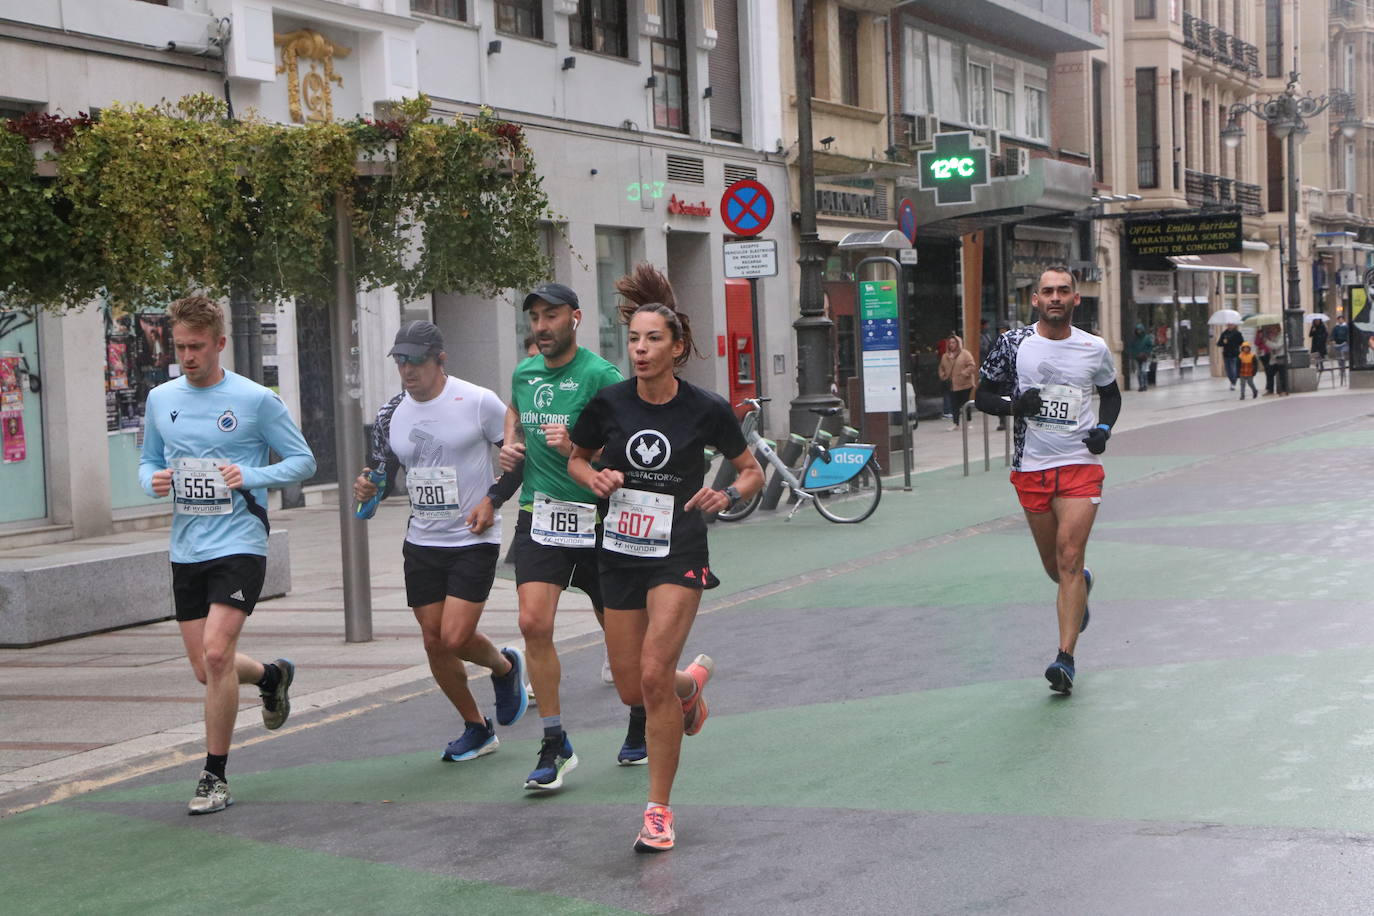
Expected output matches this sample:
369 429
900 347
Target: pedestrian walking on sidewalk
1274 355
442 431
1141 349
651 432
1229 342
557 529
1045 375
1318 335
958 370
1247 365
207 441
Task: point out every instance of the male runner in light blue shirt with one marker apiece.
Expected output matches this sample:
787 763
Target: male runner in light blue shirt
208 438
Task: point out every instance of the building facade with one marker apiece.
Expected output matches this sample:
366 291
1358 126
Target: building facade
639 113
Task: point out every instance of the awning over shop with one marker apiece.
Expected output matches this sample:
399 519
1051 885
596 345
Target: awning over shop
1218 263
1050 188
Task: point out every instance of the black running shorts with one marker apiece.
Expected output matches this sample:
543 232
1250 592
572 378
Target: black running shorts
434 573
625 585
235 580
561 566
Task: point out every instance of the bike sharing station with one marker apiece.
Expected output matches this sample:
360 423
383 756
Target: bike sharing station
840 479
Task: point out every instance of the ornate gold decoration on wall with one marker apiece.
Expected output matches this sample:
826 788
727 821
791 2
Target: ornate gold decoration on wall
312 88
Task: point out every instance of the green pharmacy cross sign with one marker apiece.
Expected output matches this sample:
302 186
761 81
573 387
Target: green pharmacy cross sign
953 168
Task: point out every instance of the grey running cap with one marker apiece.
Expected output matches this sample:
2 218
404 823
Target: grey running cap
417 338
554 293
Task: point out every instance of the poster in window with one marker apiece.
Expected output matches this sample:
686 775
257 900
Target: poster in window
13 446
11 390
116 369
138 357
111 412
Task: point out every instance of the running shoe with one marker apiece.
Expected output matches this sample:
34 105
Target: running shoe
1060 673
477 740
694 709
635 750
212 794
607 677
276 704
511 698
657 833
556 757
1088 578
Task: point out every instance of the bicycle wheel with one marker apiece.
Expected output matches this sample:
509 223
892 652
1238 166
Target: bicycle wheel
852 501
742 508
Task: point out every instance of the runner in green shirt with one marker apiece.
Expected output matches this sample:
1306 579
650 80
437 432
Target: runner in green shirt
556 535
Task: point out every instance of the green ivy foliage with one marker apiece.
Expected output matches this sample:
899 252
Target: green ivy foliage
38 262
154 202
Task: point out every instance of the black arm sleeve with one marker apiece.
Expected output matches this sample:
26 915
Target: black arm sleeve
380 456
1109 408
989 401
508 484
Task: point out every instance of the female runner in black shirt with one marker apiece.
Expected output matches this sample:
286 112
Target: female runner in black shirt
652 430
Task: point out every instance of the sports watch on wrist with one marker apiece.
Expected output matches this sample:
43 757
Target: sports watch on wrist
496 500
733 494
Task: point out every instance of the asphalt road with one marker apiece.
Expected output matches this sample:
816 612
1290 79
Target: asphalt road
881 738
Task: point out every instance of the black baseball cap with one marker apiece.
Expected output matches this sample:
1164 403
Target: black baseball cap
417 338
555 293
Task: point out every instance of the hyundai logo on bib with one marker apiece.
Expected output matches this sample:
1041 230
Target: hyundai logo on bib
648 449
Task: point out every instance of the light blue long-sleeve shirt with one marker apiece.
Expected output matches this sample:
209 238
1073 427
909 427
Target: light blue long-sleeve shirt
236 421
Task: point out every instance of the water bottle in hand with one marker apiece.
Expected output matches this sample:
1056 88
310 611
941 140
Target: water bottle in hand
369 508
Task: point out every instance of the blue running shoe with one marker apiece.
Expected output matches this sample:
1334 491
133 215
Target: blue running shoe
477 740
1060 674
635 750
511 698
556 757
1088 578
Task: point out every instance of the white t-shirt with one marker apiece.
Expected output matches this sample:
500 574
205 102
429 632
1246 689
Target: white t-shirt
1066 372
448 441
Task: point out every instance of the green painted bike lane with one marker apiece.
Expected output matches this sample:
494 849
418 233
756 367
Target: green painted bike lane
1236 741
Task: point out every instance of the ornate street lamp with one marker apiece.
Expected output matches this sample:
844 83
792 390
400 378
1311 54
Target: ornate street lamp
1287 114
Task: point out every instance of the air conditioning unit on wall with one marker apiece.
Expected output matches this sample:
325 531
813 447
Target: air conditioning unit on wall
918 130
1015 160
991 138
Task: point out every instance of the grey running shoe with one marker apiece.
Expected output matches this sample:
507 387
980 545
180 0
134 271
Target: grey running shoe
276 704
212 794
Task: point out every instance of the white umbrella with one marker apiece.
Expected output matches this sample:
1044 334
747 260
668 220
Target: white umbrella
1263 319
1224 316
1316 316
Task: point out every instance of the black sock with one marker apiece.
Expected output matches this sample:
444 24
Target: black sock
637 719
1064 657
271 677
215 763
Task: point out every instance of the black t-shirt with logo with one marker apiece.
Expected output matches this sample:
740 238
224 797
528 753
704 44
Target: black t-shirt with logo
661 447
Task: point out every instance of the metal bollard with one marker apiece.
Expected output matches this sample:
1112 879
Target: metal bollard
968 409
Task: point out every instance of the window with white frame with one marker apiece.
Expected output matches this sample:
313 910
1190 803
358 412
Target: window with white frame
915 86
947 64
979 86
1034 98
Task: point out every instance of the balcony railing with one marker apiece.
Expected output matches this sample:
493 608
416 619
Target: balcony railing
1209 41
1203 190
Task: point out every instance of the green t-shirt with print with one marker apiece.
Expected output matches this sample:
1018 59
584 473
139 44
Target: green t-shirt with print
542 395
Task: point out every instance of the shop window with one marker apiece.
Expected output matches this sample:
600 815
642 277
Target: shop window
444 9
520 17
612 263
600 25
670 66
22 477
138 357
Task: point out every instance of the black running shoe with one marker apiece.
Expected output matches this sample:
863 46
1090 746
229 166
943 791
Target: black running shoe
1088 578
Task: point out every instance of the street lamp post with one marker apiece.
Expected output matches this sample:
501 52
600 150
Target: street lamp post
815 363
1287 114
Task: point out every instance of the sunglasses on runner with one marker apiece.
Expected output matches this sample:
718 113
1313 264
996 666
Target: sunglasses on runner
401 359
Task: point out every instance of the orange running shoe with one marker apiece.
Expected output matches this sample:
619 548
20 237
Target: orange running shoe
694 709
657 833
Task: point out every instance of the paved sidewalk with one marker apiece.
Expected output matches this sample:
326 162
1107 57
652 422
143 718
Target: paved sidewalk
98 705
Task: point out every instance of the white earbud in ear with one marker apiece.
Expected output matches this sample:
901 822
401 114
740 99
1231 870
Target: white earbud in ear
575 323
